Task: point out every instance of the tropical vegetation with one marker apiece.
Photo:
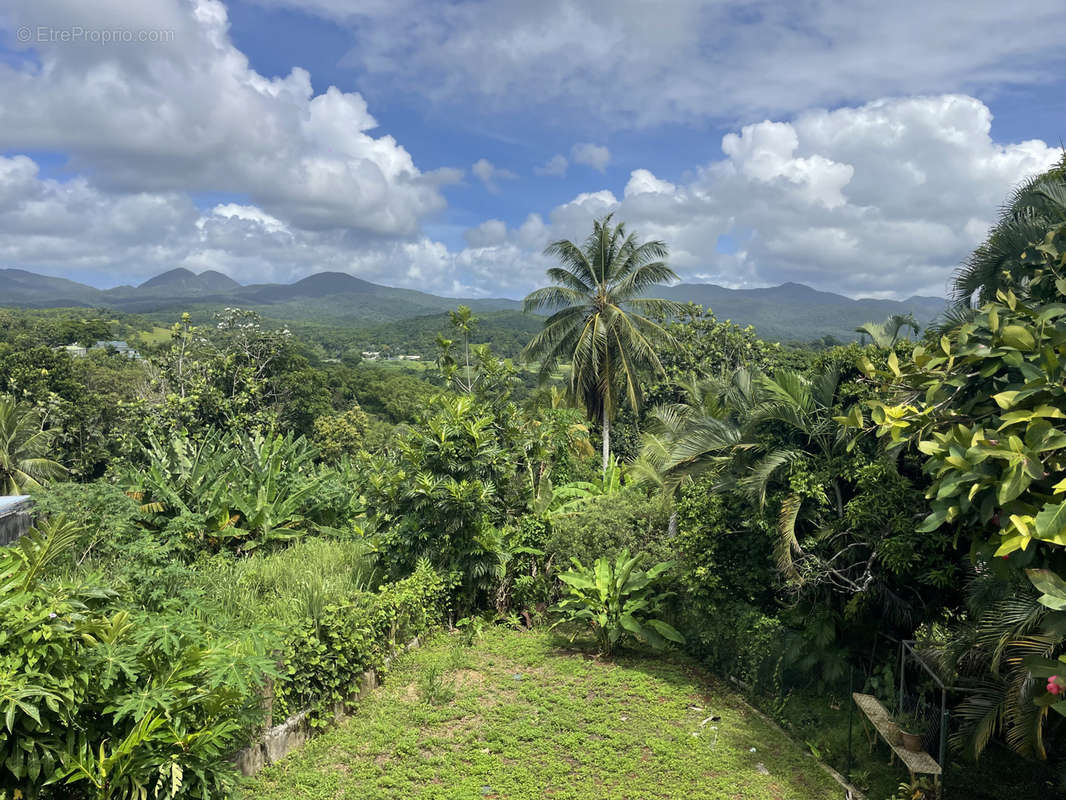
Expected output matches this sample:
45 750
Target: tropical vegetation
234 529
601 319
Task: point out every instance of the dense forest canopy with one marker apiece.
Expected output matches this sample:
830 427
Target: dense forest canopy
231 488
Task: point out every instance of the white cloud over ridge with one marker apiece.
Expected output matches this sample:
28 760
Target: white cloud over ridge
884 199
879 200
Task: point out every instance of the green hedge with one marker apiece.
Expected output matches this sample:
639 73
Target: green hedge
326 656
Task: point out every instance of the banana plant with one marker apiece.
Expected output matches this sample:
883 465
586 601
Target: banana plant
616 600
571 497
277 481
245 490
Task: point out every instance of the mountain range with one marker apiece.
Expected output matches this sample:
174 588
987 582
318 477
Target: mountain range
789 312
324 296
796 312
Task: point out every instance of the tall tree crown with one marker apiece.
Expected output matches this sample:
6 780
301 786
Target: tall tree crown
601 320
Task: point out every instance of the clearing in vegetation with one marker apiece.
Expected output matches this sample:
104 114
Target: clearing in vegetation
522 714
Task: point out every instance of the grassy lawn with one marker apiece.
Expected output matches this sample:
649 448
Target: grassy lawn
158 335
522 715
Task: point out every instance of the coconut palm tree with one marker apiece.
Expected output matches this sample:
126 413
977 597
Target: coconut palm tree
600 320
24 446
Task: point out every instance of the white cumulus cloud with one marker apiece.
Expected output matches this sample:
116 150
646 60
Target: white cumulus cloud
591 155
881 199
489 174
635 65
555 166
191 115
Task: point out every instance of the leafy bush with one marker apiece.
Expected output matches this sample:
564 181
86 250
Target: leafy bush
626 519
616 600
440 495
725 548
228 491
328 653
527 581
738 640
109 522
984 406
341 434
125 701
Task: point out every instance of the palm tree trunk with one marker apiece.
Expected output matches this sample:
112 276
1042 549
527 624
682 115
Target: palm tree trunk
671 527
606 439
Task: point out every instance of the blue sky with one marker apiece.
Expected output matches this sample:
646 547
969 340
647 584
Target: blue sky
858 147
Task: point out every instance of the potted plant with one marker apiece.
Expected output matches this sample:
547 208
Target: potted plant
912 730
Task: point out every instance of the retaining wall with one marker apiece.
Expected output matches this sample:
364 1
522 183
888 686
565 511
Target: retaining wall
277 741
15 517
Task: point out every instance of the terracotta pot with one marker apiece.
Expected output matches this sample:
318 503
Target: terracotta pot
911 741
892 735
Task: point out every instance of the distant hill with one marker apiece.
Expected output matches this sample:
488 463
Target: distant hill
334 297
187 283
790 312
18 287
795 312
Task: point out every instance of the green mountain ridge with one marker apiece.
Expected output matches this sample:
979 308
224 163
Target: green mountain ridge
789 312
796 312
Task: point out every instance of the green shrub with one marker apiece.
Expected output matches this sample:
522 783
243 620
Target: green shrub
739 641
625 520
327 654
725 546
107 518
342 434
441 495
528 582
115 702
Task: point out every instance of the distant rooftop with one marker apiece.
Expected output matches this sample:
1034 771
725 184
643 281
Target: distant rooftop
119 346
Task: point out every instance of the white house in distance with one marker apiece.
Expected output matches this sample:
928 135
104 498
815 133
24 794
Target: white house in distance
120 347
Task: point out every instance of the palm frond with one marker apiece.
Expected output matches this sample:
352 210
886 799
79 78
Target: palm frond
553 297
757 480
787 544
566 278
643 277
